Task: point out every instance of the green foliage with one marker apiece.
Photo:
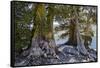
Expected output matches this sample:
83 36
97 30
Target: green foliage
23 18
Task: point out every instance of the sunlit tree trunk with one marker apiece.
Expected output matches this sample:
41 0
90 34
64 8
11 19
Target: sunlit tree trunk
49 32
42 40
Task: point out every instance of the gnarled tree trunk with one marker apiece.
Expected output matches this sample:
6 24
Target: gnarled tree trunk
72 34
80 45
43 35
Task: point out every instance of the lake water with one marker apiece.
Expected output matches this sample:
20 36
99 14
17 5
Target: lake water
94 44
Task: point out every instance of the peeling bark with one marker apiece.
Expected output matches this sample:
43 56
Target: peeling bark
72 34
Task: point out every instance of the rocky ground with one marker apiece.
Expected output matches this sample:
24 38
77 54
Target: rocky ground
67 54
